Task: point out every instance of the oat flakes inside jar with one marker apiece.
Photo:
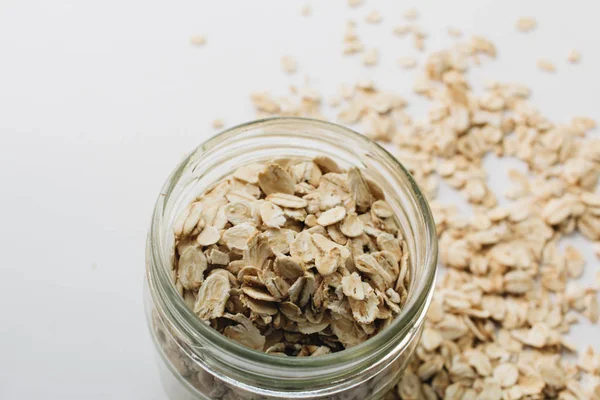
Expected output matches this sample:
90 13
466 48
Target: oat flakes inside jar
236 337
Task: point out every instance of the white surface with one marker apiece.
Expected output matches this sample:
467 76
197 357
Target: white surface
99 101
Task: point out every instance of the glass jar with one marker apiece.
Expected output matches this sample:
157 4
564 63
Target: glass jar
199 362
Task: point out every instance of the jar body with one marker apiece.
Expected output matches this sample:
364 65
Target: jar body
198 363
185 378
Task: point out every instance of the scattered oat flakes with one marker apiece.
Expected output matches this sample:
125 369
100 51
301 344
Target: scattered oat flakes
497 319
374 17
218 123
198 40
402 30
352 43
419 43
546 65
574 57
407 62
411 14
371 57
289 64
454 32
526 24
355 3
306 10
334 101
265 103
492 309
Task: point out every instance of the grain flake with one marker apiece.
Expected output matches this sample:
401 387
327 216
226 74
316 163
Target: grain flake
454 32
371 57
574 57
402 30
218 123
306 11
526 24
198 40
289 64
374 17
407 62
411 14
545 65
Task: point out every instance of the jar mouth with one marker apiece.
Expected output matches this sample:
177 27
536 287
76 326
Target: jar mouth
191 326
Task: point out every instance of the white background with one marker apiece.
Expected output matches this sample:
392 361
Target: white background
100 99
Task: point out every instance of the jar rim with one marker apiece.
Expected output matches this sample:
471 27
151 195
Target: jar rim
160 280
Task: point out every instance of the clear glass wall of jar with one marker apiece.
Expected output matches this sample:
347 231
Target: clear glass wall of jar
200 363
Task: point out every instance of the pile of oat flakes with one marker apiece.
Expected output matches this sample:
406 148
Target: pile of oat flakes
507 296
295 257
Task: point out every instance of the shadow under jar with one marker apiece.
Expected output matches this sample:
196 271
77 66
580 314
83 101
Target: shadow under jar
200 363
